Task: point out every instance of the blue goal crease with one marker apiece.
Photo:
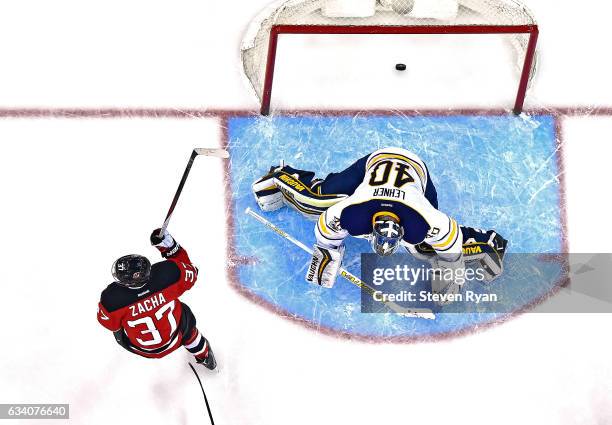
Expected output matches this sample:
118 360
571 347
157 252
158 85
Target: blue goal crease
494 172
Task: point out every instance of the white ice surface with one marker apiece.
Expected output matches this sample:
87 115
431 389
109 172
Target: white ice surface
587 158
78 193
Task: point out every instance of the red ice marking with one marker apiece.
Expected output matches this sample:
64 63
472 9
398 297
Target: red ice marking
195 113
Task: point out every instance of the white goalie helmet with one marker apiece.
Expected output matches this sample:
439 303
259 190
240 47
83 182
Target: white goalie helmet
387 233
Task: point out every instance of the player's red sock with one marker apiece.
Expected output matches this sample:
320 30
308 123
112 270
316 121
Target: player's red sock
201 357
197 345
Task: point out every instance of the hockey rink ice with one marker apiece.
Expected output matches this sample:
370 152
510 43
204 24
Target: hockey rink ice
498 172
100 106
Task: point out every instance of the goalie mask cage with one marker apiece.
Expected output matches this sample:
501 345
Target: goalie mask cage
509 17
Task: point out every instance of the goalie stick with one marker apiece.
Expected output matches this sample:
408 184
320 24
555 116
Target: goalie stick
218 153
422 313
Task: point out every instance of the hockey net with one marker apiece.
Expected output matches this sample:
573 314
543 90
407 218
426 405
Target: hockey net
510 17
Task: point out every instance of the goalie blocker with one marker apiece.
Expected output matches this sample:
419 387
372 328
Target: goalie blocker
267 195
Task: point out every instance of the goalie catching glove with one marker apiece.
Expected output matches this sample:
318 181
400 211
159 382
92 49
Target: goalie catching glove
325 265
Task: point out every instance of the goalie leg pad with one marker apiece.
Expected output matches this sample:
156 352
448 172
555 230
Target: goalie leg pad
267 195
301 197
448 278
324 266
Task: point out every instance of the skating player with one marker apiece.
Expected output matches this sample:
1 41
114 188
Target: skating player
387 197
142 307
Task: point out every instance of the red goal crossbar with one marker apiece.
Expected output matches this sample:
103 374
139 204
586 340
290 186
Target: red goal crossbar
277 30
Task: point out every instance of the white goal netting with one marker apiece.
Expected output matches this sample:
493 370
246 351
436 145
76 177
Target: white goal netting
377 14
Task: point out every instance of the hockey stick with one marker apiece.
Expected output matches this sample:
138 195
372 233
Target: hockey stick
212 422
218 153
423 313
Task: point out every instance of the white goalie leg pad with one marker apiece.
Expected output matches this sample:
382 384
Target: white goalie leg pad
325 266
267 195
448 278
299 196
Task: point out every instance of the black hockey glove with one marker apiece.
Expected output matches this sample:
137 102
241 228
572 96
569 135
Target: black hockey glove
166 244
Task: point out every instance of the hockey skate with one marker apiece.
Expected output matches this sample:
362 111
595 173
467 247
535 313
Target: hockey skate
209 362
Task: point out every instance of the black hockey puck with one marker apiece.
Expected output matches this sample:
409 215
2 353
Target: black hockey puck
400 67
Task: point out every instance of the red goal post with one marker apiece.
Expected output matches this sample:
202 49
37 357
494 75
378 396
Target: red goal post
259 47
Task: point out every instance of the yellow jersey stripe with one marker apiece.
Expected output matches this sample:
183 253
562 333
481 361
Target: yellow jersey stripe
300 207
381 213
322 225
324 263
451 236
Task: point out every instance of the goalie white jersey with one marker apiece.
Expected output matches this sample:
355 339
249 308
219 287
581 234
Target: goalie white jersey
394 182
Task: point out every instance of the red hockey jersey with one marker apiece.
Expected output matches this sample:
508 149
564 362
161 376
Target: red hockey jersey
150 316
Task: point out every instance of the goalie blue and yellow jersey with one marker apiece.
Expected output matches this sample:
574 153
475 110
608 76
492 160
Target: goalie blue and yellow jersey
394 181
